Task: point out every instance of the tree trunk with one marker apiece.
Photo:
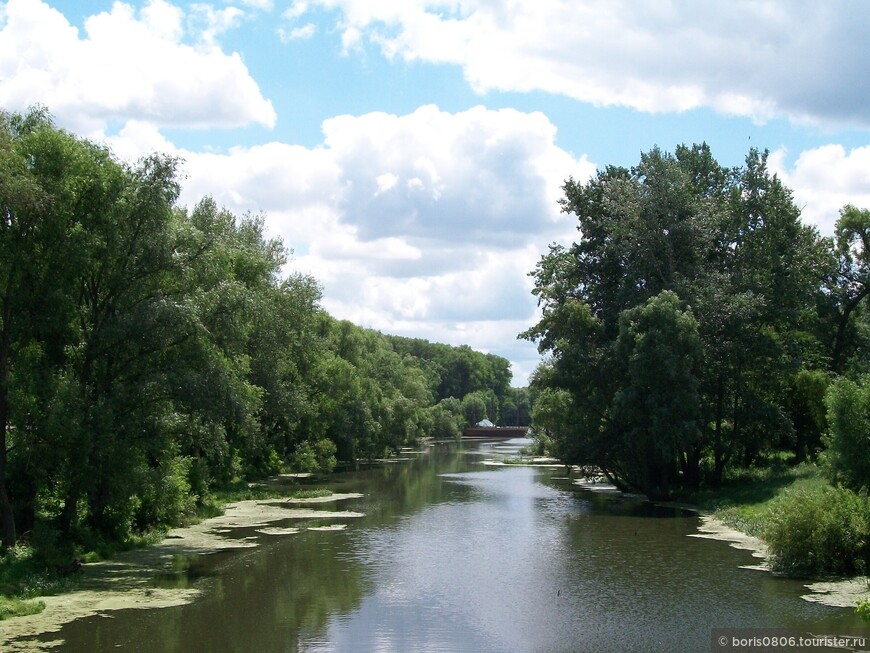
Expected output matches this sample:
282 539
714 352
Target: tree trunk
719 448
68 513
7 516
840 339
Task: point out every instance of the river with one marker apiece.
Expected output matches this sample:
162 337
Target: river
456 556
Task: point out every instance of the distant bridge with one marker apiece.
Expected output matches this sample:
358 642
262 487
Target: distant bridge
496 432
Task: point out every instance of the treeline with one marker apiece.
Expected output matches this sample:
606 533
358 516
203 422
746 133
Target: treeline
698 326
481 380
149 353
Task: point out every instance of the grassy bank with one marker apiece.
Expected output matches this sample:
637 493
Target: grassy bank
811 528
27 572
40 565
746 496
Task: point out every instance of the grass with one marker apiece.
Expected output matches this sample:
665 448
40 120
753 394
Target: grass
744 499
18 608
241 490
26 574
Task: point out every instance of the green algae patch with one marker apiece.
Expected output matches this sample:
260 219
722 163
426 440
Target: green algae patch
130 579
712 528
325 499
274 530
544 462
843 593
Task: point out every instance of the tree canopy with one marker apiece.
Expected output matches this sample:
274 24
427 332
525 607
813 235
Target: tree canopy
694 323
149 353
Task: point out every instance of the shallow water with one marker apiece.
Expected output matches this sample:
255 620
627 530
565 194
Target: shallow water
455 556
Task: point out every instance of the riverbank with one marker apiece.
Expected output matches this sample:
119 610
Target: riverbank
737 514
128 579
740 513
837 593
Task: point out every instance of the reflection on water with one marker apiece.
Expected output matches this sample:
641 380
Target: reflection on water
456 556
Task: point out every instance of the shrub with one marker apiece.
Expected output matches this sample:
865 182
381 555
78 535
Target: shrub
166 498
445 425
847 458
316 458
818 531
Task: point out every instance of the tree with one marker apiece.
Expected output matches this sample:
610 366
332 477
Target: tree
474 408
808 411
729 244
847 457
516 409
446 417
23 204
656 411
850 285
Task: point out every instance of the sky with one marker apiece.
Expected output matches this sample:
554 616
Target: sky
411 153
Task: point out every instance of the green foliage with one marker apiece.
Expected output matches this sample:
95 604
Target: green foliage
165 493
446 419
808 411
314 458
474 408
149 354
863 608
18 608
823 530
842 306
847 458
461 371
727 249
552 419
517 408
655 413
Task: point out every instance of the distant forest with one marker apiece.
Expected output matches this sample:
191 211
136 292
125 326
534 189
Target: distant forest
149 354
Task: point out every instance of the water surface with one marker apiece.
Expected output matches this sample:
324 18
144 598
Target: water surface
455 556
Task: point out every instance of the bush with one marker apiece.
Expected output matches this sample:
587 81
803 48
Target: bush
316 458
445 425
847 458
166 498
818 531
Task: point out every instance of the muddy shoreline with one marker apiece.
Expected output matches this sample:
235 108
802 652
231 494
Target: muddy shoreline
127 580
837 593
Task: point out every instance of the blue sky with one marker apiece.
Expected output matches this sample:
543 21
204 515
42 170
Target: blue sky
411 152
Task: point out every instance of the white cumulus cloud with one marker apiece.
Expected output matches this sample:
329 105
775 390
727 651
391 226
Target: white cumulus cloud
825 179
143 64
423 224
762 58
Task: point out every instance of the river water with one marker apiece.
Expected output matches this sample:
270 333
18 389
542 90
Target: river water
456 556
